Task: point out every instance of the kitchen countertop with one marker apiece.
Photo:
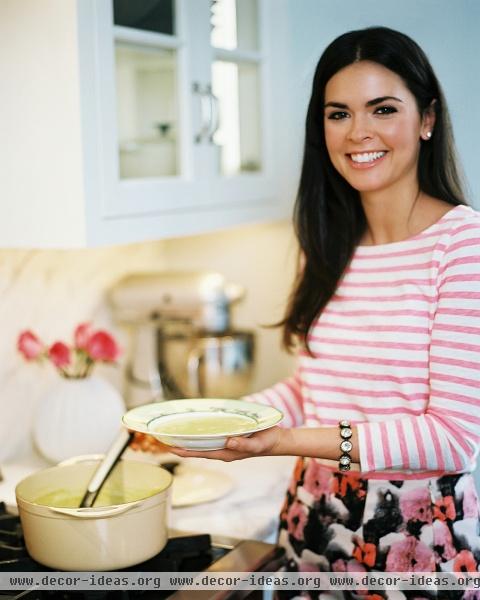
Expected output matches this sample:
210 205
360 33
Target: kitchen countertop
249 510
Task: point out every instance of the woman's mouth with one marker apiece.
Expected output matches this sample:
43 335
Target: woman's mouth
365 160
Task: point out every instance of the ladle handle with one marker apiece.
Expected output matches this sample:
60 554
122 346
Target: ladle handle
105 467
195 359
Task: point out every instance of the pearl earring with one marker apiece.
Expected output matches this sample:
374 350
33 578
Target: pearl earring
429 134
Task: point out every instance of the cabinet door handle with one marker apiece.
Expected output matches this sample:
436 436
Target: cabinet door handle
205 113
214 116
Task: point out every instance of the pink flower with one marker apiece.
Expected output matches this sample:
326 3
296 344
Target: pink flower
317 479
353 566
470 500
416 505
29 345
296 519
339 566
72 360
102 346
410 554
59 354
443 540
82 334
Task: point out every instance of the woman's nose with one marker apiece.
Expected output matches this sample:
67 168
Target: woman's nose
359 129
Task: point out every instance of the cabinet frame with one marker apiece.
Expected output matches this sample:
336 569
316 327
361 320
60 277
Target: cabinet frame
198 186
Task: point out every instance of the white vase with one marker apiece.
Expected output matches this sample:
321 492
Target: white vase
77 416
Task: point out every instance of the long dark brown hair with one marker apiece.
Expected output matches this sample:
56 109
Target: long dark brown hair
328 215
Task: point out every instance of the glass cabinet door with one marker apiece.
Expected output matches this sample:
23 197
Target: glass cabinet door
188 129
236 89
147 15
147 110
146 77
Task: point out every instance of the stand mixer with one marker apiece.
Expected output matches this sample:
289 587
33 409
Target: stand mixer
182 343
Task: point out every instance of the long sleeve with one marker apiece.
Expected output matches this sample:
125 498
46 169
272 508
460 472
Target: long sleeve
286 396
446 436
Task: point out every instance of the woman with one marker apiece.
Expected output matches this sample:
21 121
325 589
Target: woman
385 308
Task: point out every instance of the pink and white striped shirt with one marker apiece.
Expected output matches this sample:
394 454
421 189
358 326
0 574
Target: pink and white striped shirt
397 352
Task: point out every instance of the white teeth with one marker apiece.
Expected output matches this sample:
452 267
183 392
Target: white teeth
367 157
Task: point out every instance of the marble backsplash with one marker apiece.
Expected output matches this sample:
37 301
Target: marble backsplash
51 292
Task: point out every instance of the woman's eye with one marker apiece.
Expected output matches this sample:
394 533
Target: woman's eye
385 110
336 116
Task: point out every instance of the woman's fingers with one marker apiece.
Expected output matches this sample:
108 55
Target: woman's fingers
237 448
225 454
251 446
258 444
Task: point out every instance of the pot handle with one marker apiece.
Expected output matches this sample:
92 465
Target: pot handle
89 513
81 458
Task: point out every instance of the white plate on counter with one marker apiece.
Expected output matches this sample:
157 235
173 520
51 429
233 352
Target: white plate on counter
201 423
196 485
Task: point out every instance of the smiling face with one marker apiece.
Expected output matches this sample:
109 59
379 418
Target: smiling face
373 127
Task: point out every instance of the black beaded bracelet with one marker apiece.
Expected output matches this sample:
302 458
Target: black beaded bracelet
346 446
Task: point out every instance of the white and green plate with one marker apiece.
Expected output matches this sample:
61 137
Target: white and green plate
201 423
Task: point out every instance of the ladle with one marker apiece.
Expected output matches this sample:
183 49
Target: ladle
105 467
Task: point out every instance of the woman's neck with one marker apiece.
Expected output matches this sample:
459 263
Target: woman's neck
400 217
390 219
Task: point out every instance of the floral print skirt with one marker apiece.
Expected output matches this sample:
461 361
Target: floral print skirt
339 521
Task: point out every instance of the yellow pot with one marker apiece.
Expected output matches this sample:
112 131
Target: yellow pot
128 529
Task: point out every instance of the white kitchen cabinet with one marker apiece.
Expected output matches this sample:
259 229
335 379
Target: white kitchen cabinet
116 134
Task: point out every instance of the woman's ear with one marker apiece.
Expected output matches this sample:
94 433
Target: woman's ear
428 121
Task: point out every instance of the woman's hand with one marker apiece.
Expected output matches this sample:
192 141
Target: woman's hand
263 443
317 442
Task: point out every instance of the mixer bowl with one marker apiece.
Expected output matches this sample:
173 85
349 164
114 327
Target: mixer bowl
206 365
